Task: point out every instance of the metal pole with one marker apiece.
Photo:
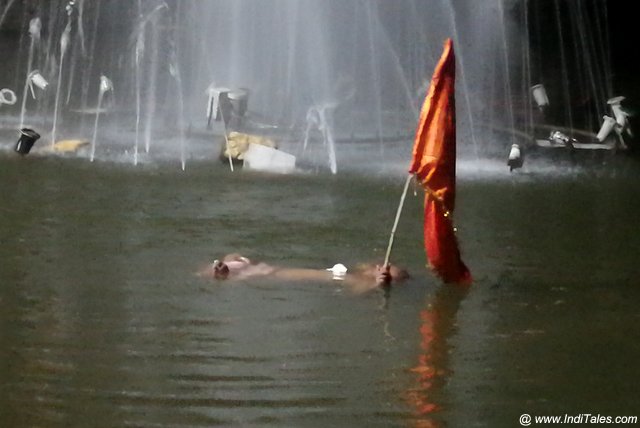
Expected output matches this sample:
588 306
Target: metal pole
226 139
395 223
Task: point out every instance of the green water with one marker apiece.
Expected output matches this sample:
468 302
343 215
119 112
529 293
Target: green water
103 322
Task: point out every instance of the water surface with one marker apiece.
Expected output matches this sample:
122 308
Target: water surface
103 322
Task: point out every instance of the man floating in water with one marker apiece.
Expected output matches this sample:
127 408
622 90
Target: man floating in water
365 277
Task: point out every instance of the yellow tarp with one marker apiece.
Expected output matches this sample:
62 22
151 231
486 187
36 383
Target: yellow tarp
66 146
239 143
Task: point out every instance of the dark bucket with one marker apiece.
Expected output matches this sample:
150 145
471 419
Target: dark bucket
239 100
224 107
27 138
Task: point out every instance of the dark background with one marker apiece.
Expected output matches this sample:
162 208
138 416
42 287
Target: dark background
624 25
621 21
584 53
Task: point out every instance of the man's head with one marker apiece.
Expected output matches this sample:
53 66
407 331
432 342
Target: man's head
220 270
231 264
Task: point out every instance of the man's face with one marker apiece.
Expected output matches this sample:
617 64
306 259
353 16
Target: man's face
220 270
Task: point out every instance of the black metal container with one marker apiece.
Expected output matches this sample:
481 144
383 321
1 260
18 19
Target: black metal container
27 138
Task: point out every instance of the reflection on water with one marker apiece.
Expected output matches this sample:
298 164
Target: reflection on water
103 322
437 325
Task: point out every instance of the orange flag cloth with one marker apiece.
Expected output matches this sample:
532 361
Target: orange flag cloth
434 164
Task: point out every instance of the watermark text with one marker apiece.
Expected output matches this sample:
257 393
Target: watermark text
581 418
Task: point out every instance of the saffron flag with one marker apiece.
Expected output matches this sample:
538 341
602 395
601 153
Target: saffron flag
434 164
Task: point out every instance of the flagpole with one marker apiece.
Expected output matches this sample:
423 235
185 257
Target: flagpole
395 223
226 138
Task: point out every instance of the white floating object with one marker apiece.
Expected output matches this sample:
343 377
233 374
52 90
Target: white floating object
338 270
265 158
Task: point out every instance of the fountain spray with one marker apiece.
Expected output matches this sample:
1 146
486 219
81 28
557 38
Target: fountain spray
139 55
174 70
64 44
139 52
105 86
34 32
319 117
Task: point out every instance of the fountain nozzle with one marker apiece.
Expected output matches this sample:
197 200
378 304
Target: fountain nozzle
105 84
70 7
35 78
608 125
621 115
64 39
35 25
8 97
540 96
515 158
